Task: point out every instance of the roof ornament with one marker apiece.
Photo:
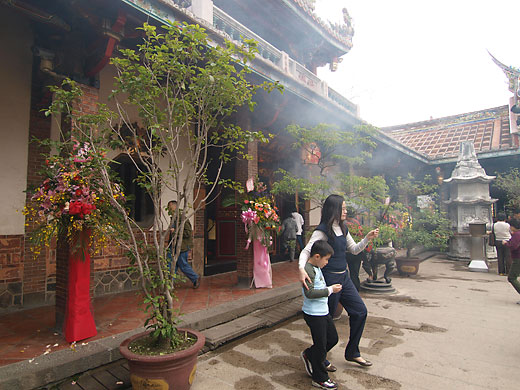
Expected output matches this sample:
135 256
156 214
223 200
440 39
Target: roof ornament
345 29
513 75
311 4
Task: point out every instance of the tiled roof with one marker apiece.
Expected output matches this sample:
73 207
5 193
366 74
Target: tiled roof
440 138
344 39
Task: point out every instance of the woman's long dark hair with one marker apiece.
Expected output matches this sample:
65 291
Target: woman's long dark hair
331 212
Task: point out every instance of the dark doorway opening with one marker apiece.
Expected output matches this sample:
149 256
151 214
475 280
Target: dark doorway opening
139 201
222 219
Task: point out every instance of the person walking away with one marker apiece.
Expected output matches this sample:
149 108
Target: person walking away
502 233
332 228
288 234
299 231
316 314
187 242
514 245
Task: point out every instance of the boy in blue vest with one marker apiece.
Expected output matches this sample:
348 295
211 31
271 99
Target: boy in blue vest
316 314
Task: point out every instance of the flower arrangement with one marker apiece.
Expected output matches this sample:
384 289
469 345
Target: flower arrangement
259 214
72 199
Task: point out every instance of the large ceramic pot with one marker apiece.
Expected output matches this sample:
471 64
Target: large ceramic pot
167 372
407 266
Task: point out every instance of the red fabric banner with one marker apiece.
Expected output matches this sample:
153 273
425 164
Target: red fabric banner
79 321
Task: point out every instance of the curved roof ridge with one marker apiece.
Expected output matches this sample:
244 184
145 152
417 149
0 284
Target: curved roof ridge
450 120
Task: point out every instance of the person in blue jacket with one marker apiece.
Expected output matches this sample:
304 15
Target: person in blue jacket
316 314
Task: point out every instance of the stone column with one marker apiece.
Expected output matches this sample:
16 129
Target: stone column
37 269
198 254
245 169
203 9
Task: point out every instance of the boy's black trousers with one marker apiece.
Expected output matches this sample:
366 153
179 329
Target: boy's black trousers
324 337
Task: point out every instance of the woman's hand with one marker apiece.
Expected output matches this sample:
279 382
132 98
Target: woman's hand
304 277
373 234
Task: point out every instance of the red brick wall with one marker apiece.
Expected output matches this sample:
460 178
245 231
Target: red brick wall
39 277
11 270
11 248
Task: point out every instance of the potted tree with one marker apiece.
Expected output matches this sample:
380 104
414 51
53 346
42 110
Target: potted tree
428 228
184 90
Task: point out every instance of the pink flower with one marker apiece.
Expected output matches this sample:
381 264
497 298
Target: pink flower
248 216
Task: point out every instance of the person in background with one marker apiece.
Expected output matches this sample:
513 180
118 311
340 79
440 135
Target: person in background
333 229
288 234
299 231
502 233
187 242
316 314
514 245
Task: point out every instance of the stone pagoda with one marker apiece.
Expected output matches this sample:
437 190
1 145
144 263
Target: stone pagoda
469 200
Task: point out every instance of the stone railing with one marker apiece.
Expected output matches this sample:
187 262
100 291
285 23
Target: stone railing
342 101
281 60
225 23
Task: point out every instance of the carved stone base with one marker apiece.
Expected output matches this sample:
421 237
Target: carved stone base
377 287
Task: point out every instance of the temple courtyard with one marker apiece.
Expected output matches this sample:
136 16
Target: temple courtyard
445 328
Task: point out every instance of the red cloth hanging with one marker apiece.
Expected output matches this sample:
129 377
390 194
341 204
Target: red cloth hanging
79 321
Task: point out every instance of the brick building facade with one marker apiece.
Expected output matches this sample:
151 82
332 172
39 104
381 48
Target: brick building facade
48 42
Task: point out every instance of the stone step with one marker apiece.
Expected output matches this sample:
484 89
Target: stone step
220 334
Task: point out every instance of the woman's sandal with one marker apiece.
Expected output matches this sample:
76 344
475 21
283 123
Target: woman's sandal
331 368
364 363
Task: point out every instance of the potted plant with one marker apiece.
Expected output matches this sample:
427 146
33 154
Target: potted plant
184 90
428 228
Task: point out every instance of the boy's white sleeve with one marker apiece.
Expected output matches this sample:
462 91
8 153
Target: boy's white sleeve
306 252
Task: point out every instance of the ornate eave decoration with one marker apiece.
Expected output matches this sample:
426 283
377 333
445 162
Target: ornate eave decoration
512 74
341 32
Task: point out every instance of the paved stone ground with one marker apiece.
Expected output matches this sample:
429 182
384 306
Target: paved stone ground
446 328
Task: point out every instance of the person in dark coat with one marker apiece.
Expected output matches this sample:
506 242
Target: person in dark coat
187 243
288 234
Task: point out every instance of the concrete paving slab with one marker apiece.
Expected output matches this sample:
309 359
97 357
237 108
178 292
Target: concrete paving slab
447 328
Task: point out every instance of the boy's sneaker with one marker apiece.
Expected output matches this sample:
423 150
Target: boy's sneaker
307 364
328 384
